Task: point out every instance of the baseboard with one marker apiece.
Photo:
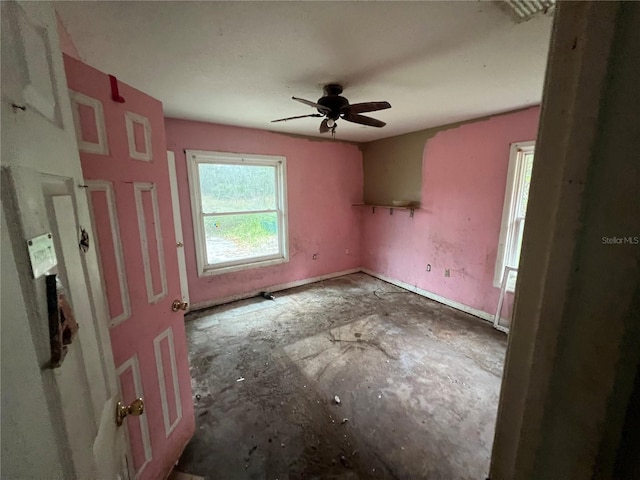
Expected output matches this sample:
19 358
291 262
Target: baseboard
412 288
272 288
432 296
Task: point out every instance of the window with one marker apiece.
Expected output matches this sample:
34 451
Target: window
239 210
515 209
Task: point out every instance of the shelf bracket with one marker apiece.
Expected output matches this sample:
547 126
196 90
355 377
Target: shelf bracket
373 209
391 211
411 212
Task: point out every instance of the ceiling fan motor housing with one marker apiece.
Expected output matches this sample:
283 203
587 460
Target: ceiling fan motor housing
333 100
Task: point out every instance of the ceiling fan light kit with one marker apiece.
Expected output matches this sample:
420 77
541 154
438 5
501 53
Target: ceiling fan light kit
333 106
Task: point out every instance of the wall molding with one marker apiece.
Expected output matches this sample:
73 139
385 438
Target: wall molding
433 296
273 288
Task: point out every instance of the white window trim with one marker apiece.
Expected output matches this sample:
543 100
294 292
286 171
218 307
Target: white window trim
511 205
194 158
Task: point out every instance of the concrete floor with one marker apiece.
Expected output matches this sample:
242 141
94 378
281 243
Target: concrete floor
418 384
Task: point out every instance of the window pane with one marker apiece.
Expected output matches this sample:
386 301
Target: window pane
236 237
237 188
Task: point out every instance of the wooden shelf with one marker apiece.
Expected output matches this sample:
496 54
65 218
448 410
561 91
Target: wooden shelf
390 207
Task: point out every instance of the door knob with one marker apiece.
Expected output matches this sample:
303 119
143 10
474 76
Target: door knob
134 408
178 305
179 244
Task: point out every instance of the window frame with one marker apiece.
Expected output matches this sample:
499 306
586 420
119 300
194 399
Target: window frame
197 157
512 197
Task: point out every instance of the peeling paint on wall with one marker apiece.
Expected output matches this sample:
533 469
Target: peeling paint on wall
463 175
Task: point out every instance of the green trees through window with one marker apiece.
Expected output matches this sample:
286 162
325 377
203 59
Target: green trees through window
240 211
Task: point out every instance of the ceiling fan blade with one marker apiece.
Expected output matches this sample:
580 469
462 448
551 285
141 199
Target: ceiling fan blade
299 116
324 128
367 107
361 119
312 104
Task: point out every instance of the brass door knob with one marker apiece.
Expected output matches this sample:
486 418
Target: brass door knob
178 305
134 408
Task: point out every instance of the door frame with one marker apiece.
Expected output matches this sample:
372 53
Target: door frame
568 375
177 223
39 158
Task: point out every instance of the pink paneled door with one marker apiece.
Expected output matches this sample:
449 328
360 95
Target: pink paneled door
123 153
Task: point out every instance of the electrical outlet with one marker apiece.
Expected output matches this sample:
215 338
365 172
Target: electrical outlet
447 273
346 251
428 269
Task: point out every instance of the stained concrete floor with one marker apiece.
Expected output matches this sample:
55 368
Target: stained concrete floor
418 384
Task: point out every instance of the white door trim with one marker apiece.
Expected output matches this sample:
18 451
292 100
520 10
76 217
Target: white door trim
177 223
168 335
138 188
107 188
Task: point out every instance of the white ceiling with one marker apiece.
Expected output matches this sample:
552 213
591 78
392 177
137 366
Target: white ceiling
239 63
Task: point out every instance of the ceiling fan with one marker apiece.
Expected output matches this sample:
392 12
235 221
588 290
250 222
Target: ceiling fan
333 107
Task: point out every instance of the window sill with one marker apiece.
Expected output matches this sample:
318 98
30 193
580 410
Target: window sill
209 271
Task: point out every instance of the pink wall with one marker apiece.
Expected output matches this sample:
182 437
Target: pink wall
324 179
66 42
464 173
